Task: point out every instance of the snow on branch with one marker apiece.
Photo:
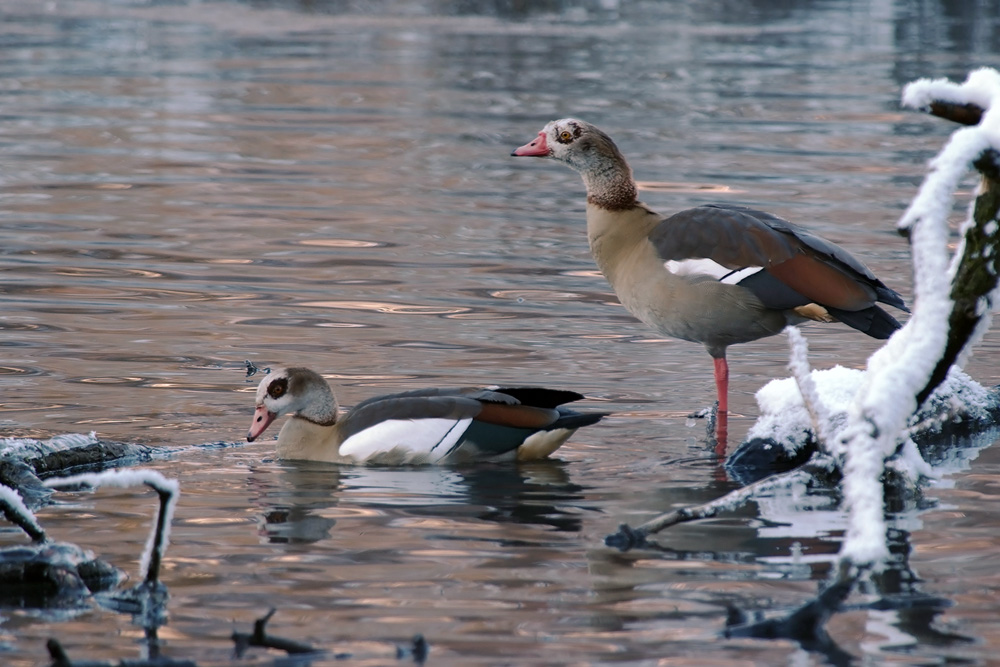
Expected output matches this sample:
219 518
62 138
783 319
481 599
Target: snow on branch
908 367
17 512
979 89
168 491
798 364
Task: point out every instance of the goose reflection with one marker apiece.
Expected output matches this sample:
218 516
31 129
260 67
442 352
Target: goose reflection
301 502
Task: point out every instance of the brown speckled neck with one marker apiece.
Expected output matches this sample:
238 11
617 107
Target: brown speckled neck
615 200
604 170
329 421
612 187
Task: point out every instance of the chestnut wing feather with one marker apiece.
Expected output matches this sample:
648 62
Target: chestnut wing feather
738 237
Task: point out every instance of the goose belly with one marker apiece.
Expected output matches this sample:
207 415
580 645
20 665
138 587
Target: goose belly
689 305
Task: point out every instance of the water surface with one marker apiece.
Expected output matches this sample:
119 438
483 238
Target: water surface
188 186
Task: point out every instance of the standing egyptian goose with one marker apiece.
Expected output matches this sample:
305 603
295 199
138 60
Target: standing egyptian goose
715 274
415 427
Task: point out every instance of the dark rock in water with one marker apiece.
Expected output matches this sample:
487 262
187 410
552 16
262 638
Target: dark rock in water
52 574
757 458
47 573
20 476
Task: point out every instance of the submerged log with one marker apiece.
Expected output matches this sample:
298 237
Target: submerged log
24 464
61 659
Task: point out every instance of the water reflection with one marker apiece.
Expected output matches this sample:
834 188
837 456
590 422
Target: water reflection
302 502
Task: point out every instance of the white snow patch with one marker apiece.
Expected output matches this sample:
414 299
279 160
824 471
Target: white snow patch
785 419
783 415
25 448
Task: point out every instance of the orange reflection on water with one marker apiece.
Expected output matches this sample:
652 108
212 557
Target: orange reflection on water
383 307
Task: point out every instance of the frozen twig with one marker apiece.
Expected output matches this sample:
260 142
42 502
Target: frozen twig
963 114
168 491
17 513
798 364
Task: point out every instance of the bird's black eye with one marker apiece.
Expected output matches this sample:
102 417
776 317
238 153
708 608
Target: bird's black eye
278 388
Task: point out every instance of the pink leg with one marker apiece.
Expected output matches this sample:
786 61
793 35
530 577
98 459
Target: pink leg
722 383
722 414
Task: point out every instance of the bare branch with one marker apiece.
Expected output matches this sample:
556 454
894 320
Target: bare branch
964 114
260 638
629 538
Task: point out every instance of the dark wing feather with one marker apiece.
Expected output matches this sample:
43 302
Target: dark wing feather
540 397
491 439
477 393
738 237
407 406
735 237
772 292
873 321
571 419
533 405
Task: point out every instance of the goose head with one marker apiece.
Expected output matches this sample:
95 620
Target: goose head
575 142
299 392
589 151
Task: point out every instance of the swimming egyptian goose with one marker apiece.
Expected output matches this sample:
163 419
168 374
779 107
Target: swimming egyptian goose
715 274
415 427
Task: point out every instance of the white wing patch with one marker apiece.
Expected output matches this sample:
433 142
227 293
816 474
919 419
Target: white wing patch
737 276
696 267
710 269
423 440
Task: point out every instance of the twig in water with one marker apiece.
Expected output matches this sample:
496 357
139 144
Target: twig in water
629 538
418 650
253 370
260 638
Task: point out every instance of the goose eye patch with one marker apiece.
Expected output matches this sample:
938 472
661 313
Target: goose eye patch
278 388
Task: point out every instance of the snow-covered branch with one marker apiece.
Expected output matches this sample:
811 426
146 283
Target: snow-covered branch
17 512
911 365
168 491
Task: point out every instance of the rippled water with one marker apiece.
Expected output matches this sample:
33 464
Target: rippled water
185 186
